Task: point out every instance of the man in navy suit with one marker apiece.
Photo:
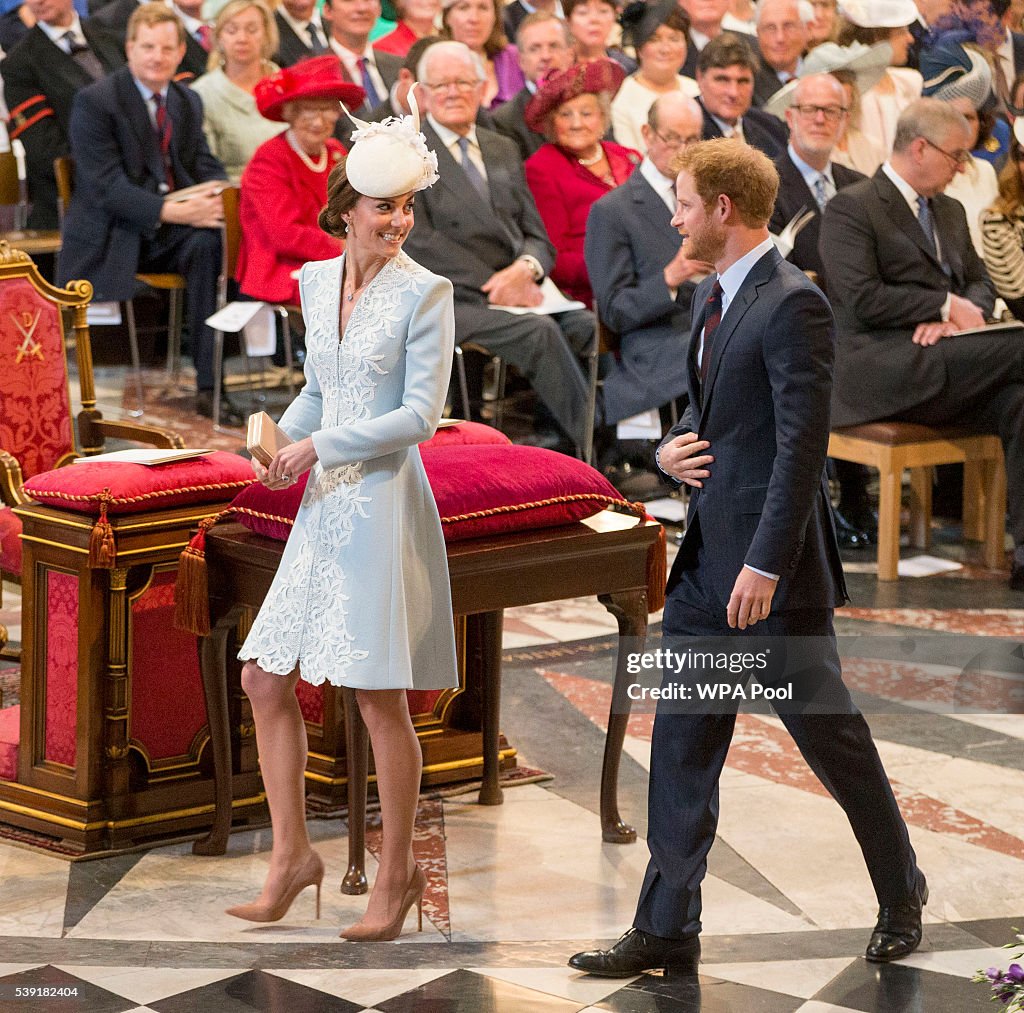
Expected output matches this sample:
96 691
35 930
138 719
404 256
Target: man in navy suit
725 74
641 276
759 551
136 138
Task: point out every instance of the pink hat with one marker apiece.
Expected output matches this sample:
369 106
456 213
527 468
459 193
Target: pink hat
580 79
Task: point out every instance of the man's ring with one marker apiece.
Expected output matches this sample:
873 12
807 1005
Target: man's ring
286 478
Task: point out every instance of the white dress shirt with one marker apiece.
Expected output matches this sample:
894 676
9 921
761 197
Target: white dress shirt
57 35
301 28
352 69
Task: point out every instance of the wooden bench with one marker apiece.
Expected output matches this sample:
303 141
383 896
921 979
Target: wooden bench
892 447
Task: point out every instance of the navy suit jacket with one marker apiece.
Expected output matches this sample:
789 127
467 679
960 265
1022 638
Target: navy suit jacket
794 194
761 130
765 411
119 174
884 279
629 241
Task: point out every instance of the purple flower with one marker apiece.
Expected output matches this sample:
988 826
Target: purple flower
993 974
1015 973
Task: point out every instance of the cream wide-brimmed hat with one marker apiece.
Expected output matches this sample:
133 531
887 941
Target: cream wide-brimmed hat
867 64
390 158
879 13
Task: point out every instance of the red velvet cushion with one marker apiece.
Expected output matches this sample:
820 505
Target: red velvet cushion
466 432
134 488
10 543
10 735
480 490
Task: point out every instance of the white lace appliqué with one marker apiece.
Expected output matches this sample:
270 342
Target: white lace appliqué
304 618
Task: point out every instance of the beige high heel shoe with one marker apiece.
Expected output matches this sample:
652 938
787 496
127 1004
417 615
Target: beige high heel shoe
310 873
360 933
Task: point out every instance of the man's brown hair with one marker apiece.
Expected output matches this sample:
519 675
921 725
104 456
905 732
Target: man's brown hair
150 14
727 165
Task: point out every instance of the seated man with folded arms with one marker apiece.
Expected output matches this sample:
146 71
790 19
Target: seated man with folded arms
903 278
480 228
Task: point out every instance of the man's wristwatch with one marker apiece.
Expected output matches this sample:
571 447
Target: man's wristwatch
536 271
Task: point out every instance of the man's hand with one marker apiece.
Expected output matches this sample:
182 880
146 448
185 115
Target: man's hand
964 315
751 599
680 268
677 458
929 334
204 210
513 286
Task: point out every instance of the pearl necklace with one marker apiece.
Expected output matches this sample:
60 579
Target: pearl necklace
318 166
588 162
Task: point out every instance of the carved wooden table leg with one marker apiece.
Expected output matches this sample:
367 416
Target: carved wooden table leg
358 767
213 665
630 611
489 628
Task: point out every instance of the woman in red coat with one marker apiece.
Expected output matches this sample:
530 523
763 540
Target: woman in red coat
284 186
576 167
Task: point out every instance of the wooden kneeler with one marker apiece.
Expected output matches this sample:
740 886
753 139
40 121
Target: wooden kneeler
893 446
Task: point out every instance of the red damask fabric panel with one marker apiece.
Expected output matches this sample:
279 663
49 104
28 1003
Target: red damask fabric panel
167 709
35 424
10 543
61 667
10 733
421 701
311 702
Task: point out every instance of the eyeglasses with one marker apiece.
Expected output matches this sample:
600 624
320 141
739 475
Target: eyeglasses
463 87
832 114
958 158
675 141
317 112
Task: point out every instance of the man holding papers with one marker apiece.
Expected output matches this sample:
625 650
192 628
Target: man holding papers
904 279
479 227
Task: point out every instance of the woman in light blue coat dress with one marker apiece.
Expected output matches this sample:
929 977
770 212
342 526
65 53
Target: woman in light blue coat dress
361 597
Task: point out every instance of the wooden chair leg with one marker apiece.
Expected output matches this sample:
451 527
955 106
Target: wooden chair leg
995 513
890 487
921 508
357 769
975 505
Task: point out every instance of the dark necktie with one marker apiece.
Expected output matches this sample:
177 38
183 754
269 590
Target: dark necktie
84 56
316 43
164 130
368 86
711 322
473 174
924 217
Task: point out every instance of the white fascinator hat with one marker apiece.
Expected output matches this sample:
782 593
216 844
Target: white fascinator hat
390 158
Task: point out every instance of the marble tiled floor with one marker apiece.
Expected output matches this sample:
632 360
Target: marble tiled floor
515 889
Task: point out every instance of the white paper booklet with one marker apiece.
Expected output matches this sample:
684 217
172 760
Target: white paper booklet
554 302
148 457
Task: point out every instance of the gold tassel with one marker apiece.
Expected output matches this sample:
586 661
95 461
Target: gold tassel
191 590
102 547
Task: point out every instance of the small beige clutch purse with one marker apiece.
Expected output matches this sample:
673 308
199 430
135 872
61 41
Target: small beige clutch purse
265 438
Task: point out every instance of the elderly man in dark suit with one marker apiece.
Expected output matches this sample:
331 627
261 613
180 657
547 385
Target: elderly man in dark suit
781 41
808 179
904 278
137 137
301 31
759 554
480 228
57 57
641 276
545 47
725 74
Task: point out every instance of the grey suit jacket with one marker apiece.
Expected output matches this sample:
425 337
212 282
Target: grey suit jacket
466 239
629 241
884 279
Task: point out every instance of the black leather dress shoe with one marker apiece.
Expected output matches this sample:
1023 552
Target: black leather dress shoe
1017 577
849 536
229 414
898 929
636 952
862 516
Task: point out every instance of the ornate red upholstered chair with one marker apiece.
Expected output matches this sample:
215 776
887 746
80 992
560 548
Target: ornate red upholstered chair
37 430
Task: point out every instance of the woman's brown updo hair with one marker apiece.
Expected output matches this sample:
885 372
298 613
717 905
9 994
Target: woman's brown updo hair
342 197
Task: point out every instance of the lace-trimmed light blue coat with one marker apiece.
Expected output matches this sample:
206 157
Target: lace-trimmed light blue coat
361 597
